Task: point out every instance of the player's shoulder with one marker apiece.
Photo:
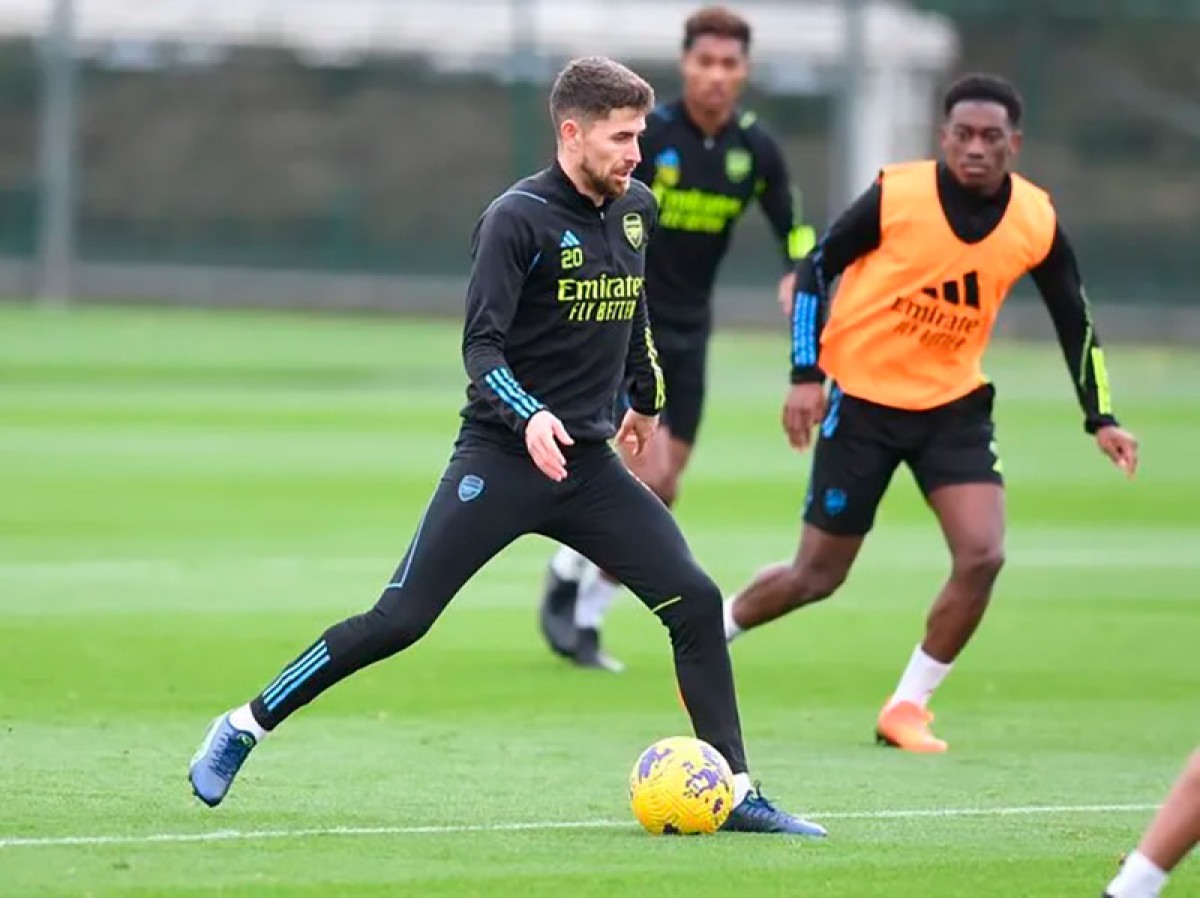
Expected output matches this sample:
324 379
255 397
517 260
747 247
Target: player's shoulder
524 199
641 197
659 122
1030 190
662 114
757 135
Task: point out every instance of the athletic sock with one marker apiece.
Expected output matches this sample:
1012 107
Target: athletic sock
922 676
1139 877
732 630
243 719
568 564
596 594
742 787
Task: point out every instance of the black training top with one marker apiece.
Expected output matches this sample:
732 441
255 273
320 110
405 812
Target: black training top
972 216
703 185
556 310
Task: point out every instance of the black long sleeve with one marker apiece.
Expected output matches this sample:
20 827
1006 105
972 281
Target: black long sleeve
1061 287
503 250
855 233
647 390
779 201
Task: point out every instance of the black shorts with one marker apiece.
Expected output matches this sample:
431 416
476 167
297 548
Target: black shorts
861 444
683 357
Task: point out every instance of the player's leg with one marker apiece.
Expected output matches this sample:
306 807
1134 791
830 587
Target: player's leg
683 358
1173 833
617 521
852 466
685 374
484 500
958 471
598 589
659 467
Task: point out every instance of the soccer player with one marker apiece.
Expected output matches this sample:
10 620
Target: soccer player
555 319
706 162
1173 833
926 257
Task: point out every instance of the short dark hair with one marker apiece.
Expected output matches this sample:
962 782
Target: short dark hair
591 87
715 21
985 89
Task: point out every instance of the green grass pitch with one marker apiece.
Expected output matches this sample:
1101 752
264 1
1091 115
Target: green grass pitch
188 498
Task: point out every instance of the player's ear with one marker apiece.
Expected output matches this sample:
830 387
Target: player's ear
569 131
1015 142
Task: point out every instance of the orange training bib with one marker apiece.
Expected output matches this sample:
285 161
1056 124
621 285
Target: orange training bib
911 320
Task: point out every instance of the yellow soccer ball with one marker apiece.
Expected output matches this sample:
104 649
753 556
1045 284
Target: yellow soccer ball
681 786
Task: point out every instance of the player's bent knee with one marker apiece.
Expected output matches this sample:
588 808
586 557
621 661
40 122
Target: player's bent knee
696 609
666 488
981 563
814 581
391 628
663 484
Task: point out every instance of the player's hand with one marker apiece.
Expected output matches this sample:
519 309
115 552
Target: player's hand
636 431
787 293
543 433
1120 446
803 410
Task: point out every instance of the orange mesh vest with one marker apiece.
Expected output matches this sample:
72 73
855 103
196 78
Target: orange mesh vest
911 320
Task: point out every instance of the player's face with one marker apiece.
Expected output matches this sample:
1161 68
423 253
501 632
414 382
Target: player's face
714 72
979 143
609 151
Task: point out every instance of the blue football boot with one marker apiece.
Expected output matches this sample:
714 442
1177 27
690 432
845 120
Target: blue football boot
218 760
757 815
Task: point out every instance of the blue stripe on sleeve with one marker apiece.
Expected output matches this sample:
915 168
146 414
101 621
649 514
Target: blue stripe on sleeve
804 330
506 387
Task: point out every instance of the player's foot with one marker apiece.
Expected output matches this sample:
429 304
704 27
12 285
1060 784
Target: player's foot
558 613
588 652
757 815
905 725
218 760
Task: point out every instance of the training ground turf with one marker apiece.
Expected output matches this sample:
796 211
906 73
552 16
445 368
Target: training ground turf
187 499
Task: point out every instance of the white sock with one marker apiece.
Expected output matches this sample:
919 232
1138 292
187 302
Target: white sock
596 594
243 719
1140 877
741 787
568 564
922 676
732 630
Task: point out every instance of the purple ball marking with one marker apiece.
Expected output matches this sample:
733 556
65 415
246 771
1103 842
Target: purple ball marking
649 758
711 755
704 780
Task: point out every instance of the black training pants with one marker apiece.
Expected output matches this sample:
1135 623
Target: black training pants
490 494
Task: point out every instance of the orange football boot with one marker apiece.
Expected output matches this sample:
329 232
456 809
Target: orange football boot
905 725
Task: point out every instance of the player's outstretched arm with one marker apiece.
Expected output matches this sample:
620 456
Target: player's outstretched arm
503 252
856 233
782 206
1058 281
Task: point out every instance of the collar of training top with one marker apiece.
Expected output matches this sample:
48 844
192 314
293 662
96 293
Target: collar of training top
949 188
678 110
571 193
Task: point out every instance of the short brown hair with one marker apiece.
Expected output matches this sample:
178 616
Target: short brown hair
593 86
715 21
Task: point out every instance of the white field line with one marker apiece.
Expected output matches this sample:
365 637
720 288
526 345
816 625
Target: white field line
251 835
